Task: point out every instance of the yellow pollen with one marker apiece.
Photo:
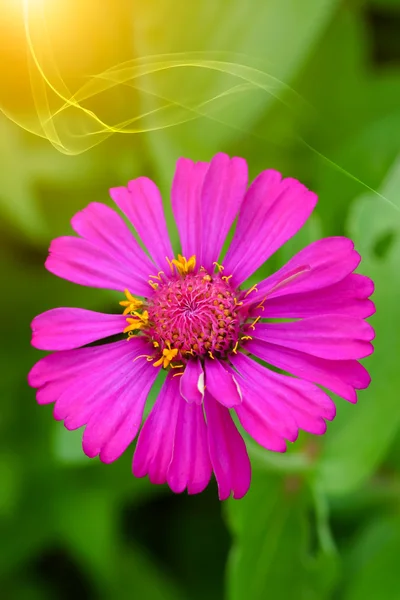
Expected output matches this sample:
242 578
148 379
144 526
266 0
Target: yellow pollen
252 326
158 276
211 354
182 265
148 357
131 303
261 305
139 321
168 355
252 289
219 267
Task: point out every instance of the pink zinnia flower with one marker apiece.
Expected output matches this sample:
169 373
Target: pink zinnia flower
190 317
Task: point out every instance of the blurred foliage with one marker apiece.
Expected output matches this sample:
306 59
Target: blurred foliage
321 522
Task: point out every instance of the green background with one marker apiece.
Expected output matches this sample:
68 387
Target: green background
320 522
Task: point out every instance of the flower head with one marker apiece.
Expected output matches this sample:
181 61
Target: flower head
193 317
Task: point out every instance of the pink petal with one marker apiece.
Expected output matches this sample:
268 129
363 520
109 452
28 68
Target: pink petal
228 452
272 212
305 402
186 204
172 445
55 367
126 416
340 376
347 297
267 421
254 419
103 227
221 384
81 261
223 191
335 337
191 466
141 202
155 444
104 387
192 382
85 391
67 328
319 265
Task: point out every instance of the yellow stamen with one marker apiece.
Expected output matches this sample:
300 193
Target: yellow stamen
140 321
226 278
168 355
170 264
158 276
252 326
246 337
177 374
219 267
131 303
235 348
236 302
148 357
153 284
261 305
252 289
211 354
182 265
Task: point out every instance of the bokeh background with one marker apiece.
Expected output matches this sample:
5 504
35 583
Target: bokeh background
92 94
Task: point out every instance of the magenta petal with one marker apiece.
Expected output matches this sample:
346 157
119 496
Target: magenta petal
115 423
191 466
221 384
155 444
228 452
335 337
81 261
103 227
223 191
56 367
319 265
347 297
305 402
104 387
254 419
272 212
192 382
141 202
340 376
268 422
68 328
186 204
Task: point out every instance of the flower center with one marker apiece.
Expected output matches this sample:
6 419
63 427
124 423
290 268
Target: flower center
197 314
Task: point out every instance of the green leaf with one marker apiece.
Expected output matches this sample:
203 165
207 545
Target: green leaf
372 565
270 555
